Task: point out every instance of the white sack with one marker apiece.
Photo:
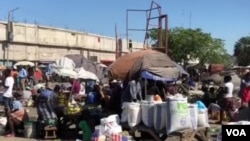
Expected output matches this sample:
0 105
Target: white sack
124 115
147 108
203 118
109 125
160 114
26 94
3 121
193 108
178 116
134 114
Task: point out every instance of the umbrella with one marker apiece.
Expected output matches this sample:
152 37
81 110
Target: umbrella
64 63
65 72
83 74
24 63
42 66
130 64
88 65
218 78
182 70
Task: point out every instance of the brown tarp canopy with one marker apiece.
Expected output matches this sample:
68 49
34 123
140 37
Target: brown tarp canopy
131 64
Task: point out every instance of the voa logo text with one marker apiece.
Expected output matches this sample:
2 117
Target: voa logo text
236 132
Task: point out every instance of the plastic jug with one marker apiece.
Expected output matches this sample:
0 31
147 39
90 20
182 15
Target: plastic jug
29 129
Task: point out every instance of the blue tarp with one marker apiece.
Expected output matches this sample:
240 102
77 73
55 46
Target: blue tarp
151 76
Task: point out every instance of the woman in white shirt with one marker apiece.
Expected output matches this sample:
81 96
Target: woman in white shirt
228 104
8 87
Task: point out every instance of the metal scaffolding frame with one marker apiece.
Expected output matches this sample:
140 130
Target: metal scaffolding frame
154 7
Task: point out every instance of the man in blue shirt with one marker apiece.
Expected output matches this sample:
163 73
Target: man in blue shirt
22 76
46 103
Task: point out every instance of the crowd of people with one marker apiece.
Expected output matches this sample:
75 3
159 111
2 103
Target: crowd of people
230 100
110 96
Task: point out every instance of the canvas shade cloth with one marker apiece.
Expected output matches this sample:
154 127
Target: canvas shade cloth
64 63
218 79
65 72
166 72
83 74
88 65
131 64
24 63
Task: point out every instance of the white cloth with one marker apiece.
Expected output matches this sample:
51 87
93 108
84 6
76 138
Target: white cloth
9 82
230 88
82 90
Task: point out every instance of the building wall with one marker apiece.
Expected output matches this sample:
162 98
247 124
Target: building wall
34 42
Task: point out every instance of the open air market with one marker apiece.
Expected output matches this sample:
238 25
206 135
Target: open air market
178 84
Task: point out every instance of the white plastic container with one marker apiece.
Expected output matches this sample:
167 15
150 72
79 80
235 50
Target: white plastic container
160 114
134 114
147 108
149 97
29 130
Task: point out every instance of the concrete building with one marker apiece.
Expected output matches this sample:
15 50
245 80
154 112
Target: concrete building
41 44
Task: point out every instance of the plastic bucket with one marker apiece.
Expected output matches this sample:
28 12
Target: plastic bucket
29 129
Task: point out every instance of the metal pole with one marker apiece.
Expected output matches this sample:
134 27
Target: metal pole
166 34
127 27
160 32
10 32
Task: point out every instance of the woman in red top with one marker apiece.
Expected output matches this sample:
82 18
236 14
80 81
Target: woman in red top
246 95
38 75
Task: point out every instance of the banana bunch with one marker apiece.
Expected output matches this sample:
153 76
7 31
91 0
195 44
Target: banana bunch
72 108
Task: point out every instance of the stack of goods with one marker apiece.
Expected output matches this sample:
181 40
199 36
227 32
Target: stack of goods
173 115
110 130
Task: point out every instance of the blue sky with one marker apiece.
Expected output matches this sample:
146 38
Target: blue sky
225 19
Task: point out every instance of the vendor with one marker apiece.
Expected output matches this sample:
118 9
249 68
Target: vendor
17 116
227 102
46 103
246 95
172 90
114 103
8 90
132 92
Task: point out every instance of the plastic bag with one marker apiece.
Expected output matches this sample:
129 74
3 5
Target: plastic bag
109 125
